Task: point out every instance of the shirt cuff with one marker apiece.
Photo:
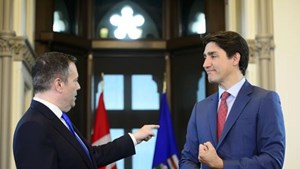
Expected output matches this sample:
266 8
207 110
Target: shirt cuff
133 139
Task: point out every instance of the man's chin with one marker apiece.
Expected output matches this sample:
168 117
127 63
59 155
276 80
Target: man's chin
211 80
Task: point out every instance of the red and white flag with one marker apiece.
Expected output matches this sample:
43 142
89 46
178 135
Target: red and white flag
101 133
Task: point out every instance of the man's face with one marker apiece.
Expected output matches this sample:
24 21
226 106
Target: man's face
217 65
70 88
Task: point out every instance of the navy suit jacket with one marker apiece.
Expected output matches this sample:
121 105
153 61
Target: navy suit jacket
253 136
42 141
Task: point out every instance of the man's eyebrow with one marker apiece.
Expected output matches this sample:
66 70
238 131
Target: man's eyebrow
209 53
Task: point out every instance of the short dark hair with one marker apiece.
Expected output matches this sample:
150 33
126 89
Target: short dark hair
231 42
49 66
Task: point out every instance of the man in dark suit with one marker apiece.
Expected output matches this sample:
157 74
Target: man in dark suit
253 136
44 138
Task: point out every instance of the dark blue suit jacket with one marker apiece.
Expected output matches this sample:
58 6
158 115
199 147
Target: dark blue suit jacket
253 136
42 141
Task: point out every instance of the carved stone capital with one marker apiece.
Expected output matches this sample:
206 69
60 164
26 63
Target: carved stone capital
252 50
22 51
4 43
16 47
265 46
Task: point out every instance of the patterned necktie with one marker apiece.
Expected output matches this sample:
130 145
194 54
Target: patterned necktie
222 113
69 123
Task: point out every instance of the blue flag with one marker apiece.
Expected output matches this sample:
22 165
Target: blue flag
166 153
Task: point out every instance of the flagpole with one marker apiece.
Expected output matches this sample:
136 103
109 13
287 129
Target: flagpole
164 84
102 82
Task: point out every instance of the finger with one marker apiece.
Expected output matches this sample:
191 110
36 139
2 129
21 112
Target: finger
208 145
147 138
202 147
154 126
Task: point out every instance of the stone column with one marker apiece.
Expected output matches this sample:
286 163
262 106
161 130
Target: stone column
13 51
248 22
231 15
248 30
265 44
5 97
5 80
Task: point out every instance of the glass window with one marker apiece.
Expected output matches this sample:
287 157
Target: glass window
144 153
64 17
198 24
130 93
201 94
193 17
116 133
144 93
127 20
60 22
114 92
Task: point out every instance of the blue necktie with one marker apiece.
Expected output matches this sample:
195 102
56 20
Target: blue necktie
69 123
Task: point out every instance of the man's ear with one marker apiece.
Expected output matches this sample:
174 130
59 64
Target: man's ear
58 85
236 58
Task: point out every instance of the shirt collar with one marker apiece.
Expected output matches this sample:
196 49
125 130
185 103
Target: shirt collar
51 106
234 90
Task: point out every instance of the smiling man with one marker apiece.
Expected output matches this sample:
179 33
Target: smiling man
239 127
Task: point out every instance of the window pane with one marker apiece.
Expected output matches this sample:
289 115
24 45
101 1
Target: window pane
201 94
144 153
197 24
60 23
64 17
193 17
116 133
113 92
144 93
128 20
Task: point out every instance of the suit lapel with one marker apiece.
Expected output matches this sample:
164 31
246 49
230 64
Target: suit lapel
237 108
64 131
212 116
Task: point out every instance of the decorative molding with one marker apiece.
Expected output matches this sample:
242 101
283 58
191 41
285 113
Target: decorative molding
22 51
252 50
264 46
17 47
4 45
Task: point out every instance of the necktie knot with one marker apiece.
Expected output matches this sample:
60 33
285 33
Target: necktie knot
66 118
69 123
225 95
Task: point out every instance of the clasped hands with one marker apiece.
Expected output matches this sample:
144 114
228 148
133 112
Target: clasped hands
208 155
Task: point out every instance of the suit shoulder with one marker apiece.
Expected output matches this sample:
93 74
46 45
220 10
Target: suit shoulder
262 93
209 99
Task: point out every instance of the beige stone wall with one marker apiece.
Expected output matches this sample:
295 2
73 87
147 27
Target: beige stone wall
287 59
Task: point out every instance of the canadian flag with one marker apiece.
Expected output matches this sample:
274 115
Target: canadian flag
101 133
